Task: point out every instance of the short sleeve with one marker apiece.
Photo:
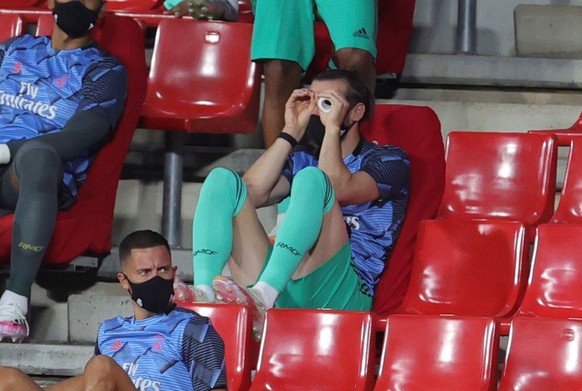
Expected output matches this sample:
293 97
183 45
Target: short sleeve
390 167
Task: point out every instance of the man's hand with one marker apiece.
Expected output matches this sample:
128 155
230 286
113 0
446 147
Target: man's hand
198 9
333 120
298 109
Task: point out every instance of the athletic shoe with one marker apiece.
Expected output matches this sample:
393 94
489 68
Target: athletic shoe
189 293
228 291
13 324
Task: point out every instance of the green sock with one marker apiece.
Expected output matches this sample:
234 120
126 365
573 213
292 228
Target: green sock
222 197
312 196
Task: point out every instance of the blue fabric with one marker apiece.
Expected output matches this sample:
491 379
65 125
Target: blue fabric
177 351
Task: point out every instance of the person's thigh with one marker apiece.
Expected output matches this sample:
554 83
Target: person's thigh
283 30
250 246
351 23
335 285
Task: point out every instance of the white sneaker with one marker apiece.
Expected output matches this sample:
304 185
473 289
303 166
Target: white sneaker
13 324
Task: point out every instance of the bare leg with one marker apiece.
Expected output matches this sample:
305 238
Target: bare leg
360 61
281 78
101 374
14 379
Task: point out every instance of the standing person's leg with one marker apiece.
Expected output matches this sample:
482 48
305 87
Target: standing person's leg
283 43
30 187
226 226
353 26
14 379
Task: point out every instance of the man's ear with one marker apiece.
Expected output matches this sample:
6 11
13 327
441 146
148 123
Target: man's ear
357 113
123 281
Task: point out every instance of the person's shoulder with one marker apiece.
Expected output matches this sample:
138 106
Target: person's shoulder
187 315
26 41
113 323
372 148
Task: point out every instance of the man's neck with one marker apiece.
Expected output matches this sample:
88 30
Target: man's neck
350 141
61 41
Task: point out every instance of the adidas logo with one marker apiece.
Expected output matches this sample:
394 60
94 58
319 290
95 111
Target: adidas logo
361 33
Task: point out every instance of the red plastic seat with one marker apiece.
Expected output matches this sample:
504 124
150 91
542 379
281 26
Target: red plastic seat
467 268
234 324
44 25
315 350
564 136
554 289
132 5
543 354
417 130
10 26
206 83
86 227
500 176
569 208
21 4
439 353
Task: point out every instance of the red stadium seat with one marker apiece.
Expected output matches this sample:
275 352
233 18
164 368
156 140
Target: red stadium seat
86 227
132 5
234 324
315 350
467 268
565 136
569 208
543 354
10 26
44 25
204 84
417 130
554 289
21 4
500 176
439 353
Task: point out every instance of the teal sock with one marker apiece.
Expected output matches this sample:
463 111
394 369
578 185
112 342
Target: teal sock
222 197
312 196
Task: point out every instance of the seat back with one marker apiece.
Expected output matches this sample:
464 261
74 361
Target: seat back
21 4
500 176
86 226
439 351
44 25
234 324
10 26
554 289
543 354
315 350
417 130
467 268
569 208
132 5
202 79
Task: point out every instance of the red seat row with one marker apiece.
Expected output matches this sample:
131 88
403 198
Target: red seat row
335 350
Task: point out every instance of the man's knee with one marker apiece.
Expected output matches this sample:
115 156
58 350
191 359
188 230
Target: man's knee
11 378
281 71
221 178
354 59
100 370
35 156
309 176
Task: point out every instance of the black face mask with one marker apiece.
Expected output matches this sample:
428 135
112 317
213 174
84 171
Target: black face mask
315 132
74 18
154 295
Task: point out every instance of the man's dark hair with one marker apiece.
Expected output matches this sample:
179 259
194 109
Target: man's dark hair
357 90
140 239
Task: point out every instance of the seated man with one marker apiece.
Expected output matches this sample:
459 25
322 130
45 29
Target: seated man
161 347
60 99
347 200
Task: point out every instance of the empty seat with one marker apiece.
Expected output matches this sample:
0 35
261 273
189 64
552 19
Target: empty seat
467 268
417 130
565 136
500 176
10 26
543 354
554 289
315 350
439 353
569 208
234 324
206 83
86 227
